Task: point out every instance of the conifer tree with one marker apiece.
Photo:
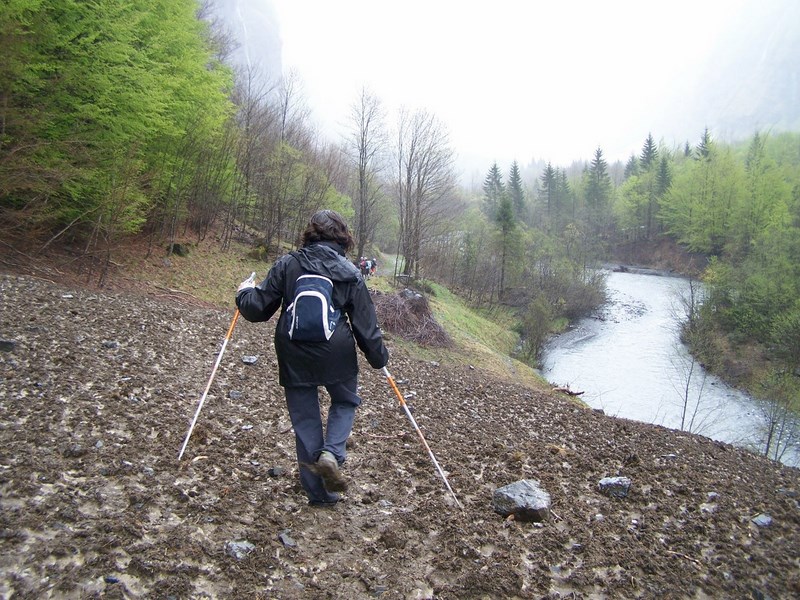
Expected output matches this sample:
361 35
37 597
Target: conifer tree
549 189
631 167
598 188
493 190
598 192
649 153
706 145
564 196
664 176
516 191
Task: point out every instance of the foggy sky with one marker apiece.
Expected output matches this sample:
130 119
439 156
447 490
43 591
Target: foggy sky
548 81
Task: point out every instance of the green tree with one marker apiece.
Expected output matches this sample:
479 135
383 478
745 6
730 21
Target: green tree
493 191
598 190
549 191
631 167
698 207
507 224
705 147
649 154
121 95
516 191
765 197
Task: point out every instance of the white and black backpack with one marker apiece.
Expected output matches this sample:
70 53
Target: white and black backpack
311 316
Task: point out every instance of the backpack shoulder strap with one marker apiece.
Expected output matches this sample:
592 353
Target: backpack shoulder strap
290 279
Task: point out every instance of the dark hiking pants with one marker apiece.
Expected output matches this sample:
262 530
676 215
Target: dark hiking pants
311 439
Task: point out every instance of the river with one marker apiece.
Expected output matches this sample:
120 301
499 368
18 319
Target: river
629 362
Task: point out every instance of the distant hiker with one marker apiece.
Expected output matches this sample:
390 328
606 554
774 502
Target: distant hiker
305 365
374 266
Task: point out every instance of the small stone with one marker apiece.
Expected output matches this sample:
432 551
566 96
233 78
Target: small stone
110 579
235 395
8 345
110 344
239 549
286 539
762 520
276 471
74 451
617 487
708 507
249 359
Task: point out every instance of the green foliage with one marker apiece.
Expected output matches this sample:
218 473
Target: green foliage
535 327
598 183
649 156
516 191
493 191
698 207
785 335
102 100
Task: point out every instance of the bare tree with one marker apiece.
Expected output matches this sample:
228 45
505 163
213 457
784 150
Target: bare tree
425 182
697 412
780 429
365 146
256 122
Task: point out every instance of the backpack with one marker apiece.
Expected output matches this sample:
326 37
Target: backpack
311 315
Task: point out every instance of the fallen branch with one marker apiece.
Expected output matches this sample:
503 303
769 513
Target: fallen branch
566 390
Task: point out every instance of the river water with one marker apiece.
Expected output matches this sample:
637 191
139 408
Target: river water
630 363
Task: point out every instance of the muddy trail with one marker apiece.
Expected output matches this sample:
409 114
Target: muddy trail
98 389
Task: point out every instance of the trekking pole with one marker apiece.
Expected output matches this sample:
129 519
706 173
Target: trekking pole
210 379
419 432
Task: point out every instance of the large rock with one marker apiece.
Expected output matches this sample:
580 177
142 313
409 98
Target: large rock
525 499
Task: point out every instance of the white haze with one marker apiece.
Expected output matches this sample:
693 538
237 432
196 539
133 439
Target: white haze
527 81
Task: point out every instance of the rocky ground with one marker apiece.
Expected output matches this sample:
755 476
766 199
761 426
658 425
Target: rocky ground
98 390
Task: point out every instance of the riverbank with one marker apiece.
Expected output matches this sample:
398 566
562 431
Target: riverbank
628 361
660 254
744 364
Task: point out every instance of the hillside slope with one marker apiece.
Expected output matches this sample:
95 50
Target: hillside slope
98 392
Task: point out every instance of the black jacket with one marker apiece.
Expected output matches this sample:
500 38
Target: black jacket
318 363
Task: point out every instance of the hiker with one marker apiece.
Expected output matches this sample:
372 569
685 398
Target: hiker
374 266
305 365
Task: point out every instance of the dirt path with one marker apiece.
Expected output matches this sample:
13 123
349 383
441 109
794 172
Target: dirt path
96 396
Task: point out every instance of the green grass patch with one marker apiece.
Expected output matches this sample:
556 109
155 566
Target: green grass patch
483 338
206 272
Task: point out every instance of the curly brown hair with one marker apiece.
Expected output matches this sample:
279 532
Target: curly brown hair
327 226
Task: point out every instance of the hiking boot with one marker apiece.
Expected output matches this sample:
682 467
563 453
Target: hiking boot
328 469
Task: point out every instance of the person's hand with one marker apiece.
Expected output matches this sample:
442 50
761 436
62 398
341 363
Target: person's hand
247 283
